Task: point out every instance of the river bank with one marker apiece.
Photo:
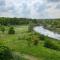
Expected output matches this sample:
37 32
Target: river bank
46 32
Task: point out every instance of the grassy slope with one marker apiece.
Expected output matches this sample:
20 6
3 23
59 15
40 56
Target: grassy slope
18 43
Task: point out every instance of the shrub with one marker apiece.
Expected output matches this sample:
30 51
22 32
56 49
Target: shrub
42 37
5 53
11 30
3 29
30 27
32 39
35 39
35 42
52 45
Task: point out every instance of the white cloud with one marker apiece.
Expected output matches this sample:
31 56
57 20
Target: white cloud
30 8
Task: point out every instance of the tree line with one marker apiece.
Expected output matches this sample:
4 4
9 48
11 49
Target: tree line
14 21
22 21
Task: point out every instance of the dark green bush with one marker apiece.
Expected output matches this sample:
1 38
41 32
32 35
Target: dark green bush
35 39
5 53
2 29
42 37
11 30
35 42
52 45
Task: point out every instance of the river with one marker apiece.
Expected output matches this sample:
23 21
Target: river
46 32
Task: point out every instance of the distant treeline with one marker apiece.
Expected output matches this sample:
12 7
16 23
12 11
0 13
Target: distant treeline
15 21
21 21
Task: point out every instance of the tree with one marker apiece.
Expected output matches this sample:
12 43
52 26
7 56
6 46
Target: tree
11 30
3 29
30 27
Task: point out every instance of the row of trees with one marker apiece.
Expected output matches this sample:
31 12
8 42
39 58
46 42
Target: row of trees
21 21
15 21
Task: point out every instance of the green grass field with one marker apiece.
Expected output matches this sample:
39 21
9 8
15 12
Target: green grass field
18 43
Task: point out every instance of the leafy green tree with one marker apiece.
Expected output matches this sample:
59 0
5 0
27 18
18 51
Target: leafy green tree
11 30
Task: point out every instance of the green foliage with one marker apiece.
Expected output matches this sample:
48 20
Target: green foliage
19 42
52 45
2 29
32 38
11 30
14 21
35 38
5 53
30 27
42 37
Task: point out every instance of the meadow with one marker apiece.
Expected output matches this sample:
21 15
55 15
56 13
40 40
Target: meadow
23 43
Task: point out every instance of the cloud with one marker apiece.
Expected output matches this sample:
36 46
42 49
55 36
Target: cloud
30 8
53 1
2 5
58 6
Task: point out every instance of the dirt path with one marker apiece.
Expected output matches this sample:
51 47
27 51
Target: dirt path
28 57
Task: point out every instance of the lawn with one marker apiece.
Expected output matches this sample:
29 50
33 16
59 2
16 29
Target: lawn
18 43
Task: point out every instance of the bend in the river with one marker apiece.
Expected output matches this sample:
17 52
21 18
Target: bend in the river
45 32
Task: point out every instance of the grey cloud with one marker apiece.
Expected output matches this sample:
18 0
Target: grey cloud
2 2
57 6
53 1
30 8
40 8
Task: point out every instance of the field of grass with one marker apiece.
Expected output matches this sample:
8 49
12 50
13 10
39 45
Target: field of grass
18 43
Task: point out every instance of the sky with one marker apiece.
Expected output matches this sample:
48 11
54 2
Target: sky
30 8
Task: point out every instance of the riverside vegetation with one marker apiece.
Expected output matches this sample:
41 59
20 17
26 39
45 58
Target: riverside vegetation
17 35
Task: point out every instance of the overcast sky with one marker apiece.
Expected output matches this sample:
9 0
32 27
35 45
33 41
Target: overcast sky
30 8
